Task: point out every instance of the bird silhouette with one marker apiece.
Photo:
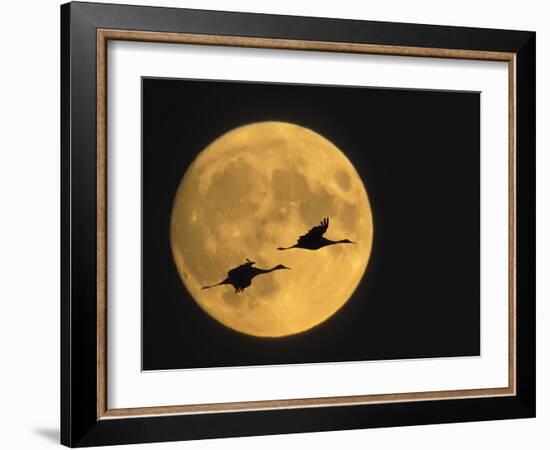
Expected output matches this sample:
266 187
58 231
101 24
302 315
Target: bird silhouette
241 276
314 239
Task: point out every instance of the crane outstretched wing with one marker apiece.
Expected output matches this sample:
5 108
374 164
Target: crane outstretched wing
315 233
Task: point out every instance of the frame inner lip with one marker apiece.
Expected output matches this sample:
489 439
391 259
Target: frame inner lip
106 34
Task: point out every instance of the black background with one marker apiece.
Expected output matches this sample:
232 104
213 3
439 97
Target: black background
417 152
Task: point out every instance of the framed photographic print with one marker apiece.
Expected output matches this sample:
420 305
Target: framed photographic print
276 224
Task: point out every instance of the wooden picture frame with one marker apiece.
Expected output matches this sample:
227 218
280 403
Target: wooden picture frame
86 418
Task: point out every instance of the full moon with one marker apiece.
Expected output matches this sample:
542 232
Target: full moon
254 189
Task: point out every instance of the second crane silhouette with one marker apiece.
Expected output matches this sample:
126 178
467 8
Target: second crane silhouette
241 277
314 239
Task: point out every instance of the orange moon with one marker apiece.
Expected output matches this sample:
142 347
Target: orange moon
256 188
